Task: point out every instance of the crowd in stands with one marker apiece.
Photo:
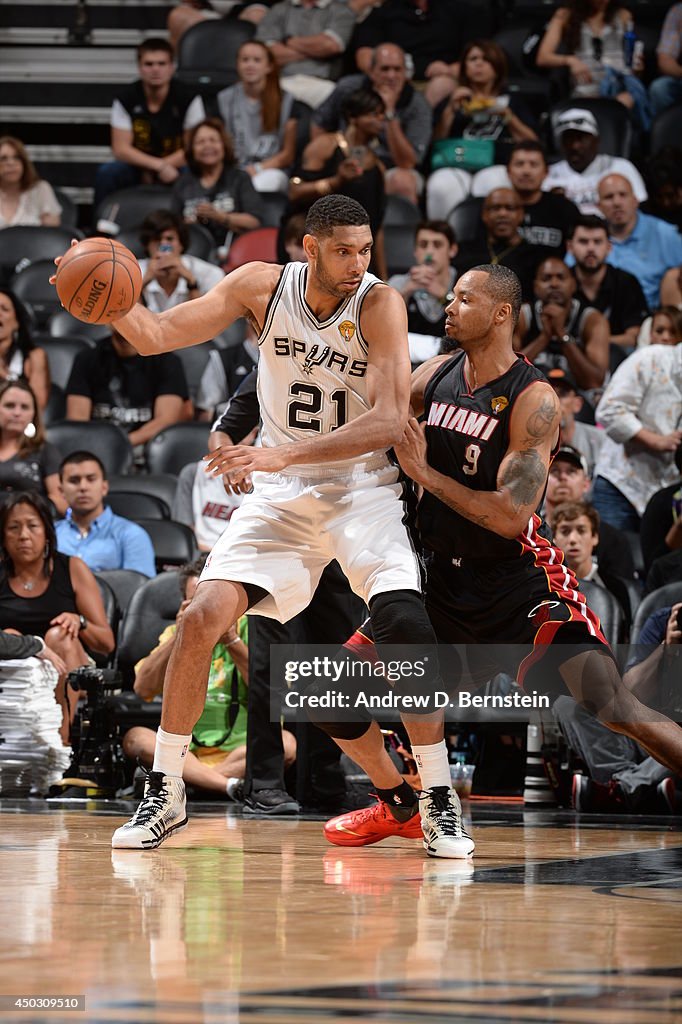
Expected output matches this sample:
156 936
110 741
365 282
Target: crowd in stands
413 112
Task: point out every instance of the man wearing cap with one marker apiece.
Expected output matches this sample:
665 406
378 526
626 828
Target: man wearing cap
578 175
568 480
614 292
645 246
583 437
557 330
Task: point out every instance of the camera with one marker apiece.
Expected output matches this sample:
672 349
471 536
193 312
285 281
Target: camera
679 619
95 735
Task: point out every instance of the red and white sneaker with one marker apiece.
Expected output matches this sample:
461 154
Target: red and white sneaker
371 825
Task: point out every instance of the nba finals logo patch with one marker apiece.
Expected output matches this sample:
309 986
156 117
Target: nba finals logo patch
499 404
347 330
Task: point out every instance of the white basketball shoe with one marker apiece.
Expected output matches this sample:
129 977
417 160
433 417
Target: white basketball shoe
161 813
444 833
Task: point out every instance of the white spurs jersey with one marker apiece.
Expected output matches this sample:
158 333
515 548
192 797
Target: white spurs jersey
312 375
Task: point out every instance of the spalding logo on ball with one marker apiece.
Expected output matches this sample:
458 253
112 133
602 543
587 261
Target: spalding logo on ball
98 280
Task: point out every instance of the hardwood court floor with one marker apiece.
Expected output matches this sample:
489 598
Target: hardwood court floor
244 920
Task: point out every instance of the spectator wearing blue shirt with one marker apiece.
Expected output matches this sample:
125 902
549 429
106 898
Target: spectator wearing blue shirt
92 531
622 777
643 245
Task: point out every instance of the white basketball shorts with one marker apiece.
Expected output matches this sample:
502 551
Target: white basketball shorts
290 527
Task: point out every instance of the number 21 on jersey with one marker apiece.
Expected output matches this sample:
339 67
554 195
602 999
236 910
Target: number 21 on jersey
307 401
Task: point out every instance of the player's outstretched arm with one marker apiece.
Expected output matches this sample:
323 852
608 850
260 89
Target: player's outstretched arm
244 292
522 475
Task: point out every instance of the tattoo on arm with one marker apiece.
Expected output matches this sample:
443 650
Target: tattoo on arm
523 477
540 422
480 520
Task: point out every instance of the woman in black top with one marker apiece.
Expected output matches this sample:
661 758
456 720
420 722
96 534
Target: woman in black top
345 163
27 461
47 594
20 357
214 191
480 108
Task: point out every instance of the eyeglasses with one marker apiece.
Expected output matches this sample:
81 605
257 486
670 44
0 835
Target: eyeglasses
597 48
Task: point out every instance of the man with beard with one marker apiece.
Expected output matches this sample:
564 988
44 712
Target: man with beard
502 216
559 331
615 293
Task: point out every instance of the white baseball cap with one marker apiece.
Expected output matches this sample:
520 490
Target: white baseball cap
577 120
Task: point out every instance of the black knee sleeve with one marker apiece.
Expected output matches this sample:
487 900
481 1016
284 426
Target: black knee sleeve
341 730
399 617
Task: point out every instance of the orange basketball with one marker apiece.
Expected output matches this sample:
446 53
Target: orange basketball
98 280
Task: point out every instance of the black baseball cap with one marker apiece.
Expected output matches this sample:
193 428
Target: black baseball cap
558 378
569 454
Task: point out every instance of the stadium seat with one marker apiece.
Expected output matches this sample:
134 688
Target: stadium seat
113 614
159 485
174 543
207 54
604 604
194 360
123 583
613 119
152 607
634 542
666 129
136 505
465 220
260 244
175 446
399 247
61 353
55 410
62 325
401 211
69 210
670 594
129 206
275 204
105 440
32 286
21 245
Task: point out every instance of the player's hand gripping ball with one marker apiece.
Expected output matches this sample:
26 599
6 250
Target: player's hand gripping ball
98 280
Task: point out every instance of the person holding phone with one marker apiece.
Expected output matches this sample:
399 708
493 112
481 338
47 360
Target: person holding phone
169 275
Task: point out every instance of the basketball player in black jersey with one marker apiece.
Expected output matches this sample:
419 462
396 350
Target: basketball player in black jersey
482 454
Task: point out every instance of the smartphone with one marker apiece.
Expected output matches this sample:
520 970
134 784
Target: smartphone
358 153
679 619
165 247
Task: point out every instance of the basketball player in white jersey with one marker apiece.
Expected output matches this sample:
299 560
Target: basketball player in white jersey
334 385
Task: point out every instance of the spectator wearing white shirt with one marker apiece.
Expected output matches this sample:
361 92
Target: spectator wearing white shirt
578 175
641 412
169 275
149 122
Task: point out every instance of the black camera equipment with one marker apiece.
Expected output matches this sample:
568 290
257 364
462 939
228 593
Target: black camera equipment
95 737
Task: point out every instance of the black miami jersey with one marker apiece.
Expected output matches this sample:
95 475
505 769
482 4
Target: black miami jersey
467 433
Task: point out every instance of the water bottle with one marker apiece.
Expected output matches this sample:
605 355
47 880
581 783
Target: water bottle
421 293
629 41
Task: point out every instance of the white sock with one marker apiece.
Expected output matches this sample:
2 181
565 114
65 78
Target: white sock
432 764
169 754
